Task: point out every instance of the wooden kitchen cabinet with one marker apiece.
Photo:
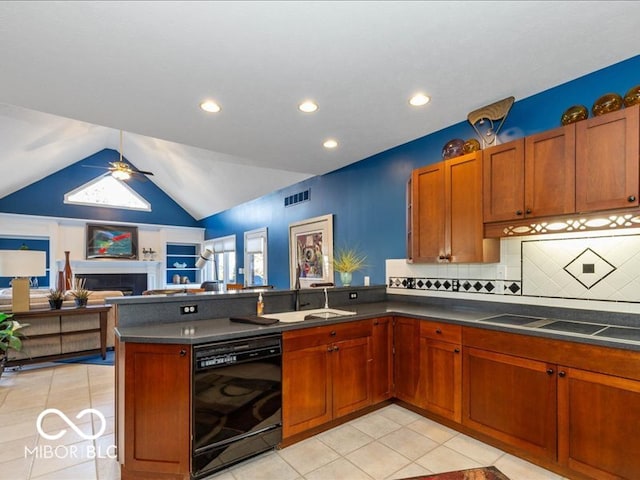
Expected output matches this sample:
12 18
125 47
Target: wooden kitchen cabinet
406 355
512 399
598 424
154 410
607 161
440 385
382 351
530 177
445 213
326 374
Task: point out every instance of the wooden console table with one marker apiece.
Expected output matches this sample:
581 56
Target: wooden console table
64 333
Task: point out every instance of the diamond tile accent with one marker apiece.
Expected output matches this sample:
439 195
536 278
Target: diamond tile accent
589 268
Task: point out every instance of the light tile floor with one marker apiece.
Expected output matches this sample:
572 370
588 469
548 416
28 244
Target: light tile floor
390 443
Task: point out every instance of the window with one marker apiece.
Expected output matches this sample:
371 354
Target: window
223 266
106 191
255 257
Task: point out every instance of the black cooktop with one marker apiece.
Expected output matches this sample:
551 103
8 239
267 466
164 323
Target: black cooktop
573 327
621 333
511 319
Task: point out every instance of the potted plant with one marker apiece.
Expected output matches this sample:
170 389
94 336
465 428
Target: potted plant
56 297
80 292
346 261
10 337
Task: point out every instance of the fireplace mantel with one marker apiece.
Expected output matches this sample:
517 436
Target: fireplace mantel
117 266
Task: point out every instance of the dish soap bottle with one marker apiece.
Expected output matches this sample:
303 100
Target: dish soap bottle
260 305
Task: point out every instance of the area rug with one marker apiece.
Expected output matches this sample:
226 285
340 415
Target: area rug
486 473
92 359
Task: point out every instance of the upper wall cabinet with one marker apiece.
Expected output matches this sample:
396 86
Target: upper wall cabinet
530 177
607 156
445 213
589 167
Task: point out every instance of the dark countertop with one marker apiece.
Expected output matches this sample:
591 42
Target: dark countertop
219 329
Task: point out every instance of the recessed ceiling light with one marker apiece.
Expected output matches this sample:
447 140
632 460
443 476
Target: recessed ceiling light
308 106
330 143
210 106
419 99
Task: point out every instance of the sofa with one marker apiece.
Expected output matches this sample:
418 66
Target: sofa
39 301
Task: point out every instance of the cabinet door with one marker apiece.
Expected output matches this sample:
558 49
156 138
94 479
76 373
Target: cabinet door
441 378
306 389
598 424
607 156
428 213
382 369
503 186
351 375
550 172
463 209
157 409
406 364
512 399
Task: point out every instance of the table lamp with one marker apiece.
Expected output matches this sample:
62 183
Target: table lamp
21 264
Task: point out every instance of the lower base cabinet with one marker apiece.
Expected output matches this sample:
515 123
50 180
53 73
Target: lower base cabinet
153 410
511 399
326 374
575 406
598 419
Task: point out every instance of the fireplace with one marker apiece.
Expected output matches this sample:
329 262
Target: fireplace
117 274
127 283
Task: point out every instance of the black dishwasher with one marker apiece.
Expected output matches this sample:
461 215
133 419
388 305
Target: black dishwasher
237 401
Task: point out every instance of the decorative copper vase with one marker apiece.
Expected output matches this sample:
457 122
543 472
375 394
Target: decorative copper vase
68 274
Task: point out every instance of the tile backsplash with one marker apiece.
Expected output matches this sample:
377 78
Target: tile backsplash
581 268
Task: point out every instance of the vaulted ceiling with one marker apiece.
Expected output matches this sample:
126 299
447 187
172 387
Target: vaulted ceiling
75 73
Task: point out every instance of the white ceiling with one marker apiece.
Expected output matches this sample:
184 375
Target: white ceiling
144 67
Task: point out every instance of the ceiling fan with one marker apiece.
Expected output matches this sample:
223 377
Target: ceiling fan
123 170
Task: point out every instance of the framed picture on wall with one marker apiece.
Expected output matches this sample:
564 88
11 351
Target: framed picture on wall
311 249
112 241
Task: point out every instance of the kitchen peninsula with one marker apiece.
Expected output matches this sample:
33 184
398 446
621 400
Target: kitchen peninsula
554 386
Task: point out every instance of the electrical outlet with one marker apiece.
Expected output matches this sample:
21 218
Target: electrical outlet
188 309
353 295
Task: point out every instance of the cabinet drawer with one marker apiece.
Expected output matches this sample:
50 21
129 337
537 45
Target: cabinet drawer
80 322
40 326
77 342
441 331
36 347
314 336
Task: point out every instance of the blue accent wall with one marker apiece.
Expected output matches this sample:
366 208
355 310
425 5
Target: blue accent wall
368 198
46 197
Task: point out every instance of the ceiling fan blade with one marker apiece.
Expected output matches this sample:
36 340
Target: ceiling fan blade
143 172
96 166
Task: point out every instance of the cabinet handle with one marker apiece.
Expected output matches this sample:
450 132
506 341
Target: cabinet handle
562 373
456 350
527 211
438 331
330 349
183 352
336 348
332 333
518 212
632 198
376 323
550 371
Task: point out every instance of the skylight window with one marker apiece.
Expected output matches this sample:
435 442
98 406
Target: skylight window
106 191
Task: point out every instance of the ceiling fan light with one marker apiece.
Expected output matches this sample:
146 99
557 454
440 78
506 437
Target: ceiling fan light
121 175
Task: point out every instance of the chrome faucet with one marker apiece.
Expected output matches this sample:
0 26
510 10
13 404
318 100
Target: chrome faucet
326 298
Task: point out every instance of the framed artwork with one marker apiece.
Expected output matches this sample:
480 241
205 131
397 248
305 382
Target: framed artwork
311 249
112 241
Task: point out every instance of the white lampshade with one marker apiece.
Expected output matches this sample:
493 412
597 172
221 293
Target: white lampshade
22 263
